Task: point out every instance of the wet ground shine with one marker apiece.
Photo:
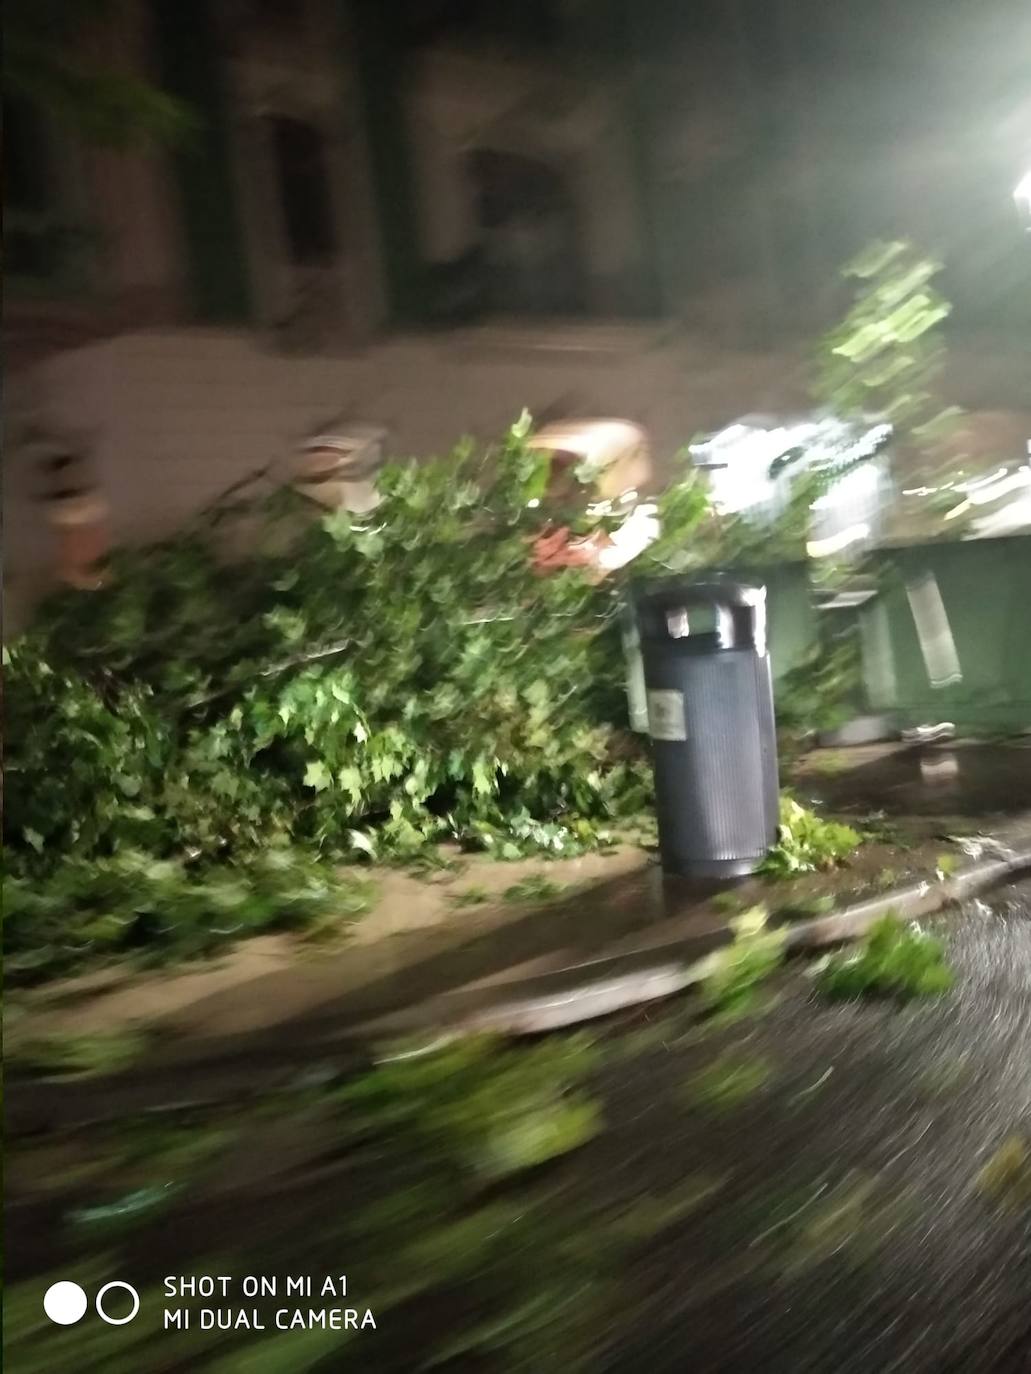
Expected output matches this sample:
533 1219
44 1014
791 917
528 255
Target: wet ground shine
810 1188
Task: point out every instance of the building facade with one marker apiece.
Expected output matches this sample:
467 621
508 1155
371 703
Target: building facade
423 215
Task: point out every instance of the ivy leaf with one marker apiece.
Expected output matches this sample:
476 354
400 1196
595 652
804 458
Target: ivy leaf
225 784
350 780
317 776
522 426
483 776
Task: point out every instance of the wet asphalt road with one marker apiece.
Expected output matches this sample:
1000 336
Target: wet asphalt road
841 1226
852 1232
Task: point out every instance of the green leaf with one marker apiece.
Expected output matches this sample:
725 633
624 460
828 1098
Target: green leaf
895 959
522 426
350 781
317 776
483 776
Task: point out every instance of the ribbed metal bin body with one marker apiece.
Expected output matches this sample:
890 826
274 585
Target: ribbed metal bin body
711 720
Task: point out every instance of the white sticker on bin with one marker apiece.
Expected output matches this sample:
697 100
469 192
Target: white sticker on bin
666 715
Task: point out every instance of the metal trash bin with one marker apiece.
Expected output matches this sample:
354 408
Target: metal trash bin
710 717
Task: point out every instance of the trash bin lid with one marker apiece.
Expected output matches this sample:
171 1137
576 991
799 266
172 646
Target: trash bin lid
717 588
703 615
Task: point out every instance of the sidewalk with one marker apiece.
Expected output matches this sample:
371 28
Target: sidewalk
421 941
606 944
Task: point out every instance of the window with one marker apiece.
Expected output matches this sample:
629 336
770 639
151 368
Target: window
527 233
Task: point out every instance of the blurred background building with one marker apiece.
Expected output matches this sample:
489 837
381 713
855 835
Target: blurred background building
426 214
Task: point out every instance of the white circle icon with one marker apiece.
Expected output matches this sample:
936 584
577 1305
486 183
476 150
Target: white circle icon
65 1303
118 1321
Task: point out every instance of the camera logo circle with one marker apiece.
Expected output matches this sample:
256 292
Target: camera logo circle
65 1303
118 1321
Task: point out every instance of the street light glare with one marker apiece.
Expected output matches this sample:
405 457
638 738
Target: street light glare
1022 191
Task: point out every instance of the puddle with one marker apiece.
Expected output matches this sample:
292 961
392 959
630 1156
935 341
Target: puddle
969 780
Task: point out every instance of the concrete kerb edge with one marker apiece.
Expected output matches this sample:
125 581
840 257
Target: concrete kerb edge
49 1103
537 1015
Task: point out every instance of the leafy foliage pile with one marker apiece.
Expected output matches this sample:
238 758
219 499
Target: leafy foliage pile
472 1107
465 1145
349 687
444 1173
734 975
806 842
896 959
885 357
815 696
133 904
62 1056
727 1082
1006 1178
361 686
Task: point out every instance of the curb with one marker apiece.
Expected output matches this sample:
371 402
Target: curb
919 899
537 1015
551 1002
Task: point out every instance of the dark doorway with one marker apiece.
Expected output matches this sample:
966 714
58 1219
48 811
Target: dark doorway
32 236
303 187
